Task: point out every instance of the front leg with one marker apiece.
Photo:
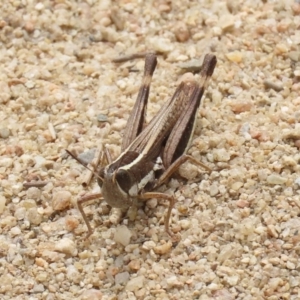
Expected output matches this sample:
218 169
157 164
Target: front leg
171 199
80 208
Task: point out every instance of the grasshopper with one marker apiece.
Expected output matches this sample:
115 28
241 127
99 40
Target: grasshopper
151 154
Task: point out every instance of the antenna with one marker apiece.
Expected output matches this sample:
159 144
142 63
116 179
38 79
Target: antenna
78 160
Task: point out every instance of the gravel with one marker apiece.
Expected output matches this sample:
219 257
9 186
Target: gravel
237 228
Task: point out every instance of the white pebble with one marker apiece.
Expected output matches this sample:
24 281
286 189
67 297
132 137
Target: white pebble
39 161
221 155
152 203
187 242
213 190
91 294
39 6
115 215
122 278
290 265
8 221
33 216
237 185
122 235
66 246
4 133
276 179
34 193
17 188
275 283
73 274
6 162
18 260
20 213
15 231
38 288
148 245
185 224
232 280
135 283
226 252
161 44
172 281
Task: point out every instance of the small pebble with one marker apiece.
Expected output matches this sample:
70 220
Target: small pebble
232 280
8 221
275 283
161 45
117 18
66 246
33 193
33 216
237 185
6 162
241 106
293 134
4 133
89 69
28 203
226 253
294 55
242 203
73 274
227 23
122 235
214 190
182 33
221 155
41 263
290 265
71 223
276 86
282 48
39 6
87 156
135 283
38 288
61 200
134 265
20 213
193 65
14 150
115 215
185 224
235 57
91 294
173 281
163 249
102 118
122 278
276 179
148 245
15 231
272 231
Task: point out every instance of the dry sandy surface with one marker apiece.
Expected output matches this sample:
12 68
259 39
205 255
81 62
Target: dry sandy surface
239 226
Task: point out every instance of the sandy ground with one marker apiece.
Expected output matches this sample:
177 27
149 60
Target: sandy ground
60 89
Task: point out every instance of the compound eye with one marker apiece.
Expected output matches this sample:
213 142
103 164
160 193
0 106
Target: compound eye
124 180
